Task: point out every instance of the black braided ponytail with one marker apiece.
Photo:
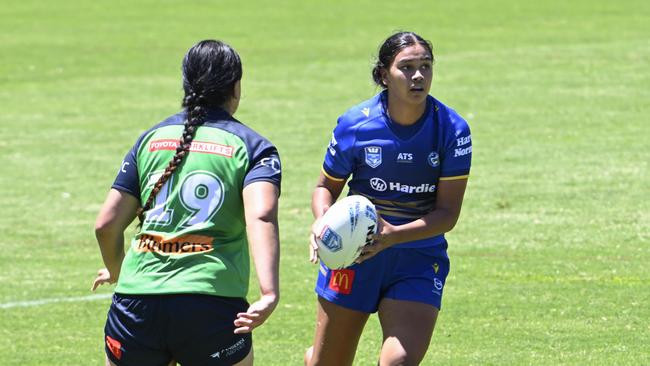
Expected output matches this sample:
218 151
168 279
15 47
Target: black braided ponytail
210 71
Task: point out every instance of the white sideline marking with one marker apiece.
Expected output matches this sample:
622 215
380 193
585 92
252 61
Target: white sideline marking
24 304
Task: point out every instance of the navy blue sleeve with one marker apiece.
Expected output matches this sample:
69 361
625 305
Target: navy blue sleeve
339 157
265 166
127 177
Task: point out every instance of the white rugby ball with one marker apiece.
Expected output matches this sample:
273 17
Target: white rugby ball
344 230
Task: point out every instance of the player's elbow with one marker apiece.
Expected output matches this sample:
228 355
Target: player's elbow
451 218
104 228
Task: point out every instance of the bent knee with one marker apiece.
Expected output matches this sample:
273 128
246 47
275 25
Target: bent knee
394 354
402 359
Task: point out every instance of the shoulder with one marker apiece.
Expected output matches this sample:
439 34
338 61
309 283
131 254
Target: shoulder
362 114
175 119
253 143
449 119
250 138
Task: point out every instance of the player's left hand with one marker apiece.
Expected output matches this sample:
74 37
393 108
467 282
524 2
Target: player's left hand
103 276
256 314
380 241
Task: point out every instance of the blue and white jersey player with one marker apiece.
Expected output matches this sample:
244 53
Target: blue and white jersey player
410 155
399 170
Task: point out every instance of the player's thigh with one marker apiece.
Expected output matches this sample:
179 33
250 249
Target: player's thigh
407 327
338 330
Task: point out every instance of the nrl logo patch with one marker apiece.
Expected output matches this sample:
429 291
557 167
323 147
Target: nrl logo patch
373 156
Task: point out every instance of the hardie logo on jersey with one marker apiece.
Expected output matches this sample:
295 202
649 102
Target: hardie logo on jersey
378 184
366 111
433 159
373 156
196 146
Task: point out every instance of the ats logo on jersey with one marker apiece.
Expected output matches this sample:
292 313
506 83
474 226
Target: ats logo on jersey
405 157
341 281
373 156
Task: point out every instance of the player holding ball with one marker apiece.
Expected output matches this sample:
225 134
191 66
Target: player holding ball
410 155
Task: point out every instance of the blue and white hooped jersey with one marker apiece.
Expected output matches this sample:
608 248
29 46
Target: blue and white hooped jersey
400 176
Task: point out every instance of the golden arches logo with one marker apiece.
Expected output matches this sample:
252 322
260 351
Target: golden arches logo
341 280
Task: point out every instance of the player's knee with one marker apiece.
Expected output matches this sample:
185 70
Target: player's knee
308 354
395 355
402 359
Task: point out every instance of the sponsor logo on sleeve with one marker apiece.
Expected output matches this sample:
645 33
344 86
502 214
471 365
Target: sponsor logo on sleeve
433 159
463 140
366 111
196 146
272 163
373 156
462 152
332 145
341 281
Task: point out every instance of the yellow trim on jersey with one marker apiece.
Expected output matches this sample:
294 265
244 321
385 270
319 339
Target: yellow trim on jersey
455 178
330 177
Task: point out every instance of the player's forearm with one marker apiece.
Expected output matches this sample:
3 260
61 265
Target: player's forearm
261 211
321 198
265 248
111 245
434 223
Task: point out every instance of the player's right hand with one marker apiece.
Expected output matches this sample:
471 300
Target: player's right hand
103 276
313 246
256 314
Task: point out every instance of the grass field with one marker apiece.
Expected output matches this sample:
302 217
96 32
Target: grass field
550 259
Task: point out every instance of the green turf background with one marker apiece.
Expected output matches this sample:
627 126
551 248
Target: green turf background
550 259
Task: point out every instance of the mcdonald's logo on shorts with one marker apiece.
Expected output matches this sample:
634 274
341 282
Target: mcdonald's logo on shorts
341 281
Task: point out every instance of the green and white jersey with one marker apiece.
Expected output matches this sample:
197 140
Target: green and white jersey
193 240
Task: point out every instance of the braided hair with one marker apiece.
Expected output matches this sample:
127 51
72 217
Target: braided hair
210 71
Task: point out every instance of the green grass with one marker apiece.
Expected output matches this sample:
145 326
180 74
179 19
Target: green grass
549 259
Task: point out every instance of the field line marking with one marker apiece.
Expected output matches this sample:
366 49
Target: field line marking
24 304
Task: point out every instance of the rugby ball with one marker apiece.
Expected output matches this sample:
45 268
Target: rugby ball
344 229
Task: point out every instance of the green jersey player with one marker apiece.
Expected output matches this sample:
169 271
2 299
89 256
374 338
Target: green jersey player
203 186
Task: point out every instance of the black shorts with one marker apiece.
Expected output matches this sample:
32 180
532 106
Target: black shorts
152 330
